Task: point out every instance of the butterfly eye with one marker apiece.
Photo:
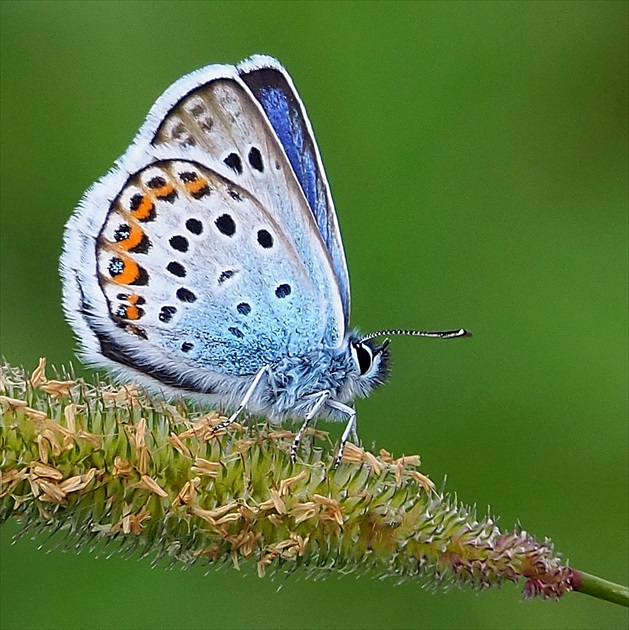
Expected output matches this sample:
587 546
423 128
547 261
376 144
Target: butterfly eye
364 357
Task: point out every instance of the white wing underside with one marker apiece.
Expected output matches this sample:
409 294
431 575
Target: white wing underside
197 127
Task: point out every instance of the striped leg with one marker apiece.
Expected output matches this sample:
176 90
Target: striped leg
321 399
350 428
243 404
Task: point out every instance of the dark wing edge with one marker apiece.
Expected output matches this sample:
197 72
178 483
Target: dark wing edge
274 90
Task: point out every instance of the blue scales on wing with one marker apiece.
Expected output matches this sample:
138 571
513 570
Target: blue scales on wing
275 92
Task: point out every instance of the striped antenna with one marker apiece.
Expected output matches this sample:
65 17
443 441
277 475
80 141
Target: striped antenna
443 334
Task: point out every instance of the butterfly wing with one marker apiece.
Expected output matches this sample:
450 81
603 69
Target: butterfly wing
274 89
197 259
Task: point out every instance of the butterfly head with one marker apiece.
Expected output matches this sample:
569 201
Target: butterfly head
371 362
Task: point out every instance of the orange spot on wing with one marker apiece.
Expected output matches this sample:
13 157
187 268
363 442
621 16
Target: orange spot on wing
164 191
133 240
132 312
196 186
144 209
130 272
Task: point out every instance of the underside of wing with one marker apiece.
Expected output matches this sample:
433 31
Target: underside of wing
276 93
197 258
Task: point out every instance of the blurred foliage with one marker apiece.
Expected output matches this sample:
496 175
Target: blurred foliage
477 154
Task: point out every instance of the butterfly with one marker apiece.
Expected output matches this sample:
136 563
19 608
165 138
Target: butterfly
209 263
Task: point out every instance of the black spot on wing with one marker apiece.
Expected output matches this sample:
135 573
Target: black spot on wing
194 226
176 268
156 182
185 295
226 225
226 275
283 290
255 159
180 243
265 239
234 162
166 313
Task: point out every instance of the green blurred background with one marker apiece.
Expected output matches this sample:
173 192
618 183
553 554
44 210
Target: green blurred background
477 153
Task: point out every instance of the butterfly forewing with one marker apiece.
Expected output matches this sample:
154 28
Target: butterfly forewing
222 121
276 93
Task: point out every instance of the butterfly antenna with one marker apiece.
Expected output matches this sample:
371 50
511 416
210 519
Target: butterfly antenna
439 334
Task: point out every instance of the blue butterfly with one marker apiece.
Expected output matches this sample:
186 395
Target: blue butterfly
209 262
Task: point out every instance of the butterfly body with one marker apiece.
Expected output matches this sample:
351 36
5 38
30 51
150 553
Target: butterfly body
295 379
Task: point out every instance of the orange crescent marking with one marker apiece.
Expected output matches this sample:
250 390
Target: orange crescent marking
130 272
133 240
143 211
196 185
132 312
164 191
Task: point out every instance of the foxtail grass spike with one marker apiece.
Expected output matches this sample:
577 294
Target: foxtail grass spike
109 469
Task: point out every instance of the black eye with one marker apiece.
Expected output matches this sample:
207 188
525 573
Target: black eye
364 358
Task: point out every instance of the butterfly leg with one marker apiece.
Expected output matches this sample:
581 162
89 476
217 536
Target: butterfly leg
243 404
350 428
321 398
